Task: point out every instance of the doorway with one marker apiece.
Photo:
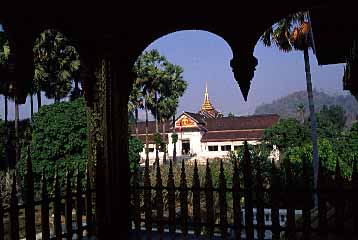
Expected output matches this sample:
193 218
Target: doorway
185 146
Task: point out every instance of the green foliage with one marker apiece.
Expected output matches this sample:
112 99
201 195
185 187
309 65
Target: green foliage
286 133
135 147
353 139
330 121
174 137
59 138
326 154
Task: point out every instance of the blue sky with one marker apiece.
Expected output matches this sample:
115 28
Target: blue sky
205 57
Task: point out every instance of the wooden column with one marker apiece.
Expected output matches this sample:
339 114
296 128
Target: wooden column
116 148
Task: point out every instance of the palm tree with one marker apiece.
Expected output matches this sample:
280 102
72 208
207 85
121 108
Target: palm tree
56 64
4 86
149 69
293 32
136 102
171 90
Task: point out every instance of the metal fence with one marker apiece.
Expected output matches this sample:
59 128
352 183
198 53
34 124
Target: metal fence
248 209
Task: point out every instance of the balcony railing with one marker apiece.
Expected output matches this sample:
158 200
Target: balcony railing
250 206
66 213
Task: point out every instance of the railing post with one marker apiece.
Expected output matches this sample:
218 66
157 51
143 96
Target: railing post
136 201
30 230
307 200
68 204
1 217
289 200
209 200
339 200
159 200
147 201
89 205
223 203
275 202
354 197
196 201
183 195
171 200
79 204
14 211
260 211
45 228
249 227
322 197
236 195
57 207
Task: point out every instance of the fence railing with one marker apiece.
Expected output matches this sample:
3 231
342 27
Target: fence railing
62 214
242 209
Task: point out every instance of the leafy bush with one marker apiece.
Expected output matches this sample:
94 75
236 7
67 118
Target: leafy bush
135 147
59 137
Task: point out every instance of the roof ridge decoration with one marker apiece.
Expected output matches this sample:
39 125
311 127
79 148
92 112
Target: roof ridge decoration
206 106
207 110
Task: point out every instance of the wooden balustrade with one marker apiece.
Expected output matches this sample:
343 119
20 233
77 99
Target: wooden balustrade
250 208
51 226
244 207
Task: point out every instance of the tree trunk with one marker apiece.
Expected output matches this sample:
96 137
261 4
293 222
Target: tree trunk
6 110
7 160
38 100
17 140
174 143
136 122
165 149
146 136
156 126
32 106
312 116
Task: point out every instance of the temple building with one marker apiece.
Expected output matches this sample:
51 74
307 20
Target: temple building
206 134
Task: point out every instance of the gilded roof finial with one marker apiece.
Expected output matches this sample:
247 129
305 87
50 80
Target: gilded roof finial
207 104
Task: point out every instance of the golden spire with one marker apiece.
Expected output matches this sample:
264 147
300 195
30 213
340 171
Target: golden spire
207 104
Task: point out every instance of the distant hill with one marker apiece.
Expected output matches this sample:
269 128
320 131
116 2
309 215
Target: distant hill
287 106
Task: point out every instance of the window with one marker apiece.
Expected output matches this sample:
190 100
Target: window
267 217
282 218
236 147
150 149
213 148
226 148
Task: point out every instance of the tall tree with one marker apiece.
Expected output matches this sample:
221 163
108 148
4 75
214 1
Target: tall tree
4 83
136 102
293 32
56 64
171 90
149 69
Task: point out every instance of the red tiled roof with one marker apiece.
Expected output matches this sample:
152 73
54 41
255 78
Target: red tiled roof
221 136
218 129
241 123
151 127
150 138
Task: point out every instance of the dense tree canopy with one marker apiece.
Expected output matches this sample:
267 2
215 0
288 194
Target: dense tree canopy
286 133
59 138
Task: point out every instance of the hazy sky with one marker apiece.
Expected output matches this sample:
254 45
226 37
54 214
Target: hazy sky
205 57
